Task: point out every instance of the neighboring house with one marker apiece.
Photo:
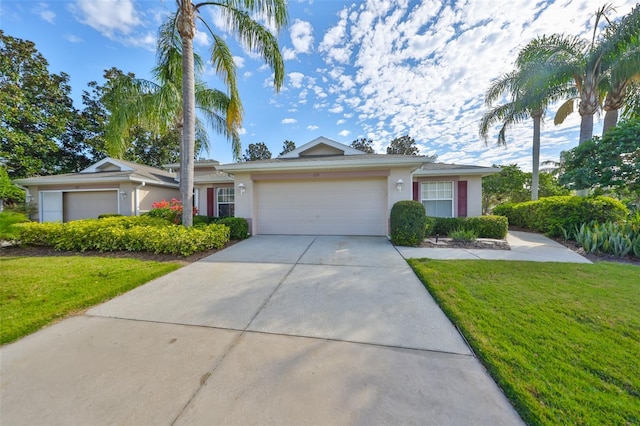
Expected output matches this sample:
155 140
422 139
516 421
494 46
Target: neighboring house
108 186
327 188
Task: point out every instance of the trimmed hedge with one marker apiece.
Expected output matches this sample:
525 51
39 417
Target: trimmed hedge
141 233
486 226
238 226
550 215
408 221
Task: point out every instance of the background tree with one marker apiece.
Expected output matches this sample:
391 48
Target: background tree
512 185
364 145
239 18
256 151
609 164
9 193
35 108
404 145
287 146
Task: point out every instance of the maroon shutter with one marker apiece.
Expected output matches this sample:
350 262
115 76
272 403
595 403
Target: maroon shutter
210 203
416 191
462 198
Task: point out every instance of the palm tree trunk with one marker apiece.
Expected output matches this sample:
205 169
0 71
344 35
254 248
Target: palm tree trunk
535 175
586 128
610 120
187 29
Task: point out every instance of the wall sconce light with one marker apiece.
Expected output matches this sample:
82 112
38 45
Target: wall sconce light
123 195
242 188
399 185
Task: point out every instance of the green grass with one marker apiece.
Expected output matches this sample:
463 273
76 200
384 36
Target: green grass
561 340
34 291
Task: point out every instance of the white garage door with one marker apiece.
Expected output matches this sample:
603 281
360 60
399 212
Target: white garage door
322 207
89 204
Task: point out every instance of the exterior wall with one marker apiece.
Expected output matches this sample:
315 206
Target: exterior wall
202 202
393 194
149 194
474 195
245 202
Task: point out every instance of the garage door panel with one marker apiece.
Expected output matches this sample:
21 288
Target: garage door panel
89 204
327 207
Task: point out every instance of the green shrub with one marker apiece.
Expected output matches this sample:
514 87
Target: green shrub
199 220
618 239
238 226
430 224
105 215
486 226
408 219
8 220
551 214
465 235
142 233
491 226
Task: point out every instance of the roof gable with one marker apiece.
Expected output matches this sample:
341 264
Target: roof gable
321 147
108 165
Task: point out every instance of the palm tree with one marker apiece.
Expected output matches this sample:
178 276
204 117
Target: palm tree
530 96
622 70
239 16
586 63
157 105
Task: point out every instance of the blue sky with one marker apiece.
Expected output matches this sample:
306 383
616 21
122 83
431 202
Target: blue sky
377 69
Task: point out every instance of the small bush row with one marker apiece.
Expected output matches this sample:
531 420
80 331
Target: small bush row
485 226
141 233
238 227
550 215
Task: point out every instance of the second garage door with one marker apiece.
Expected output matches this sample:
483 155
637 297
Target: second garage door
89 204
322 207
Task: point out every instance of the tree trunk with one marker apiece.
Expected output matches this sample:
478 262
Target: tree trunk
610 120
586 128
535 175
187 29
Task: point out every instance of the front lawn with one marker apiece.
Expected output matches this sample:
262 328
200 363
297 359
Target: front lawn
561 340
34 291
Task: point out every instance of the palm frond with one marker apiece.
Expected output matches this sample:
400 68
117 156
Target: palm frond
564 111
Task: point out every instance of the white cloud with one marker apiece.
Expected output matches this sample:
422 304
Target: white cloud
73 39
341 121
42 10
202 39
301 33
108 16
242 131
336 109
289 121
239 61
312 127
288 54
344 133
247 74
296 79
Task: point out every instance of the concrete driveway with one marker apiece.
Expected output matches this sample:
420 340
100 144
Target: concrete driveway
273 330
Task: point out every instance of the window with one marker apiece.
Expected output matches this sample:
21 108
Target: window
437 198
225 199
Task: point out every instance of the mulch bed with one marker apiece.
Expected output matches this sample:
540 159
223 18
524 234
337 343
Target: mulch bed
480 243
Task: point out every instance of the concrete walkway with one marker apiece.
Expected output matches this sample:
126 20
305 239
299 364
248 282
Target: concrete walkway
273 330
524 246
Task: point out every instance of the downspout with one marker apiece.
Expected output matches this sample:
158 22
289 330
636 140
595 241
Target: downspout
137 198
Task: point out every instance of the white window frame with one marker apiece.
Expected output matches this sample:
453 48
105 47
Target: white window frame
428 183
219 192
